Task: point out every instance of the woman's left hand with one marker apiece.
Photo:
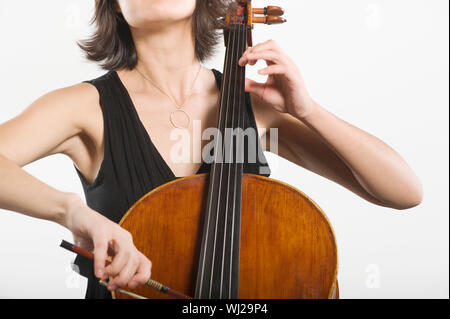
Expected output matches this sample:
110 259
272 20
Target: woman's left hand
284 89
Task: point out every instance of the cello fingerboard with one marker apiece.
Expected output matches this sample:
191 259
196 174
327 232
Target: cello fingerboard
218 271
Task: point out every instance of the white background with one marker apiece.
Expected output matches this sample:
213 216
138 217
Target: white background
380 65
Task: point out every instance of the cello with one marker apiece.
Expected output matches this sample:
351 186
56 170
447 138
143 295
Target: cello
228 234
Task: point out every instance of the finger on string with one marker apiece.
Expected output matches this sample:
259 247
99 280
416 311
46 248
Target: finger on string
254 87
249 62
243 61
273 70
262 49
273 48
252 62
270 57
256 49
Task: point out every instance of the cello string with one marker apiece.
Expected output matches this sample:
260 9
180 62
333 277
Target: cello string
232 164
218 165
232 167
237 176
213 178
218 161
221 169
241 72
240 165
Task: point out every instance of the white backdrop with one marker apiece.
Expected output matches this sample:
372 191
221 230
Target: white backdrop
381 65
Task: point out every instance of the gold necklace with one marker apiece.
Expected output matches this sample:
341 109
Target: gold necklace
179 107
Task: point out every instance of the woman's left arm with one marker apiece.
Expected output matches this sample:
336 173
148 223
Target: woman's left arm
316 139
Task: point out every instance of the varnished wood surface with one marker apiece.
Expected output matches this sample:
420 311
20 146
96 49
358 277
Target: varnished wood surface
288 248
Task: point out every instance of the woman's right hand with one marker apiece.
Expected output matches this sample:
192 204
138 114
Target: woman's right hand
96 233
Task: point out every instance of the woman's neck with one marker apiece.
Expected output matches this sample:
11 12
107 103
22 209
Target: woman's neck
166 55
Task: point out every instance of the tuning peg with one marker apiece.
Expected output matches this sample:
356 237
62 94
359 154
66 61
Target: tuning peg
269 11
269 20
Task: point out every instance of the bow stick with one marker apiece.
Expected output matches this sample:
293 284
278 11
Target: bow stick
150 282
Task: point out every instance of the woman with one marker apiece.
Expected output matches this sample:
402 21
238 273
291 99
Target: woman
117 129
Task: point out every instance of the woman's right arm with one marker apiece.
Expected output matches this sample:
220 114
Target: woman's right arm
49 126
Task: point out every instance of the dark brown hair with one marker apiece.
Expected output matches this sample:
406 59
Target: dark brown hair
112 45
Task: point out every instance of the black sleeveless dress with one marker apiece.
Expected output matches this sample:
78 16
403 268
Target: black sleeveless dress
132 166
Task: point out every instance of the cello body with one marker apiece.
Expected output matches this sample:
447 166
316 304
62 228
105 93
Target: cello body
287 245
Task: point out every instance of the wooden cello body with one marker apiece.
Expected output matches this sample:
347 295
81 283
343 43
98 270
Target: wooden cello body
226 234
288 248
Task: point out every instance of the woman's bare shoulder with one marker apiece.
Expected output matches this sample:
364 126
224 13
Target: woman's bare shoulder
77 100
79 106
81 99
84 100
51 123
